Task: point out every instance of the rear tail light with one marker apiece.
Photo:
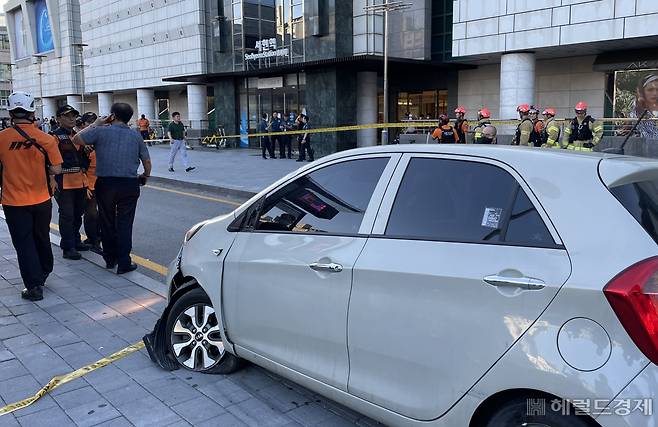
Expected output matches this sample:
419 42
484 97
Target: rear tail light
633 295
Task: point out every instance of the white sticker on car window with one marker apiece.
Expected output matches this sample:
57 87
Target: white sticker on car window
491 218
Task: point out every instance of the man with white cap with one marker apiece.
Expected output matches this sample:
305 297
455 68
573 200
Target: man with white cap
30 159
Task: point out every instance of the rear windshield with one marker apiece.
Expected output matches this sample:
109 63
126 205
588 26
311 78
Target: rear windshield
641 200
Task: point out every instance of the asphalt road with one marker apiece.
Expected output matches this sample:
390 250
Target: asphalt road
164 213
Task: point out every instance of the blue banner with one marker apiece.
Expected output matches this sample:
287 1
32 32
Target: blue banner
244 140
43 30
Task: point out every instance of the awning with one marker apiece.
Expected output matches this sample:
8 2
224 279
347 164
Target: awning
619 60
360 63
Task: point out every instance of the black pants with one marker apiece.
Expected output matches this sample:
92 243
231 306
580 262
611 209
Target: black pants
29 227
284 142
117 202
92 226
305 148
266 144
72 205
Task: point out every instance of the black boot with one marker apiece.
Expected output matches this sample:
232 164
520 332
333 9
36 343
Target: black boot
32 294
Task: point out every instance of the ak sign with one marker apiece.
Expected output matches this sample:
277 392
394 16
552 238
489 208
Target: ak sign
267 48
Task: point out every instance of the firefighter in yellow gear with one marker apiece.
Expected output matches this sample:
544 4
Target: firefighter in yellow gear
525 128
583 133
484 117
550 135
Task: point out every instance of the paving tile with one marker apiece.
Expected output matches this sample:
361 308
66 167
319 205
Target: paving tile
96 310
199 409
116 422
225 392
128 392
92 413
14 330
150 373
253 378
107 378
35 318
224 420
256 413
8 420
27 307
11 369
158 413
310 414
171 390
21 341
48 417
283 398
78 354
42 362
6 355
55 334
77 397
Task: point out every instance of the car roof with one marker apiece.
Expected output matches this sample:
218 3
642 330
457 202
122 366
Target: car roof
505 153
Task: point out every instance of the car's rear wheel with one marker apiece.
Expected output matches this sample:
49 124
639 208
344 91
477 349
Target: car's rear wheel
194 336
516 413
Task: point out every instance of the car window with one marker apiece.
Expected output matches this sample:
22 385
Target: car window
641 200
330 200
463 201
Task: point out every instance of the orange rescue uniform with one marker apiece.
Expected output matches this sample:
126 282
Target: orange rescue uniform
20 186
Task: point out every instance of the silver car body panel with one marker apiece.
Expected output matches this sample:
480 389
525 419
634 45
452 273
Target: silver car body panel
600 238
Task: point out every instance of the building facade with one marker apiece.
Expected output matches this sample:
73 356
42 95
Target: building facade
324 58
105 52
554 53
5 68
226 62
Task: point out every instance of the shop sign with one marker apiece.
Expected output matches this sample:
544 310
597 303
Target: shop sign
270 82
267 48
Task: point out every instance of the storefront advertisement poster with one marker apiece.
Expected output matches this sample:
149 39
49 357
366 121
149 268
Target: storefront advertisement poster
635 92
43 31
20 43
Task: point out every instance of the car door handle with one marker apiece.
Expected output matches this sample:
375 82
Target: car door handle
331 267
526 283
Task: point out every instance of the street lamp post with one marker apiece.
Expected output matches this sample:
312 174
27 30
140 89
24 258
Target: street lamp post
81 47
39 57
386 6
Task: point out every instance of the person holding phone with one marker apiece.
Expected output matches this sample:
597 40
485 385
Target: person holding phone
119 151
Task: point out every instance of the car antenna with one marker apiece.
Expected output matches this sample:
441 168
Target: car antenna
620 149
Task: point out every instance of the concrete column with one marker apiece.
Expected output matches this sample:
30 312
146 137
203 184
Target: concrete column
197 105
517 83
146 103
49 107
105 101
366 107
75 101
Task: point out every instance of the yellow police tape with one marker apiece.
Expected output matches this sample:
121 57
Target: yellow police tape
418 124
63 379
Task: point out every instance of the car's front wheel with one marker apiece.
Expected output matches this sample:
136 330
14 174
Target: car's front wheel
524 413
194 336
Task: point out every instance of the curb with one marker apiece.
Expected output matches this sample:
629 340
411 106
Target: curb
222 191
137 278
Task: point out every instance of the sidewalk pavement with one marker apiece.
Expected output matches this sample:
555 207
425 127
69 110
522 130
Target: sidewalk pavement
88 313
242 172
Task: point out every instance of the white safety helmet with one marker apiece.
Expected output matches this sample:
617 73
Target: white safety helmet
21 100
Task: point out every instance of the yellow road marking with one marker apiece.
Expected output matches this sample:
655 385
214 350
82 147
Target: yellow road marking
146 263
183 193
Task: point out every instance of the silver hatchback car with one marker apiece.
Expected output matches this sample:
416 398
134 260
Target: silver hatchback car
433 285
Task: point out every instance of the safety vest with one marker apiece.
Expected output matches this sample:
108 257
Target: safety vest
477 137
447 135
517 136
581 131
74 160
459 124
544 132
535 136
